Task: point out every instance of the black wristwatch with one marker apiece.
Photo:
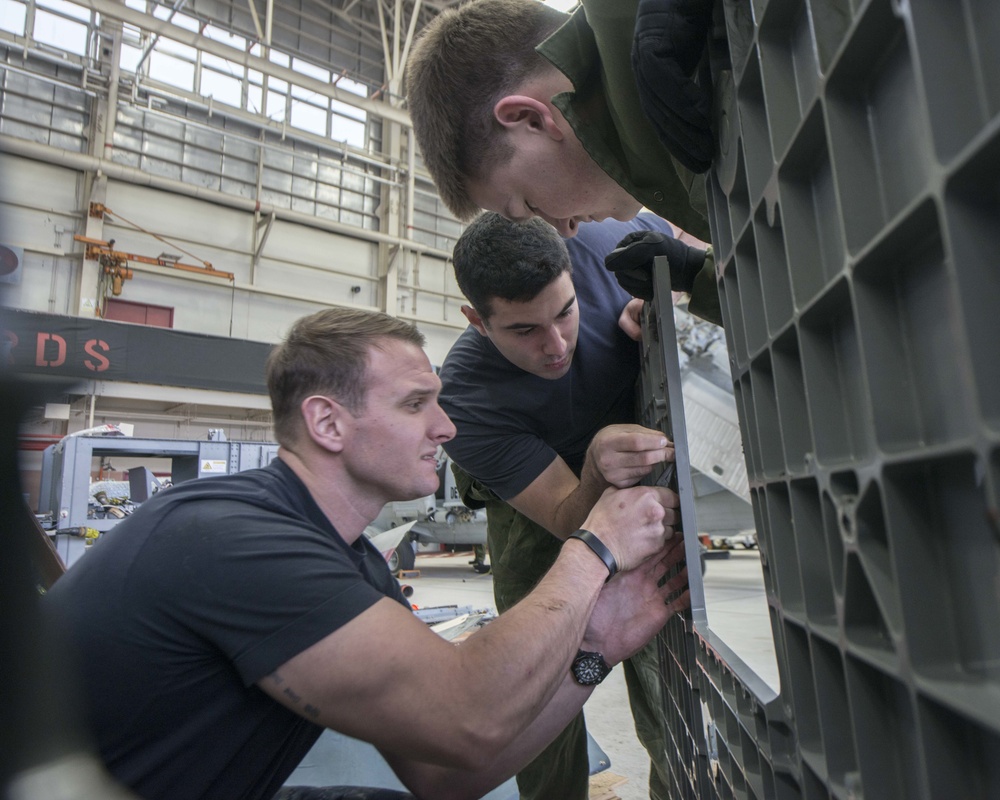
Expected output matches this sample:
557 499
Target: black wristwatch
590 669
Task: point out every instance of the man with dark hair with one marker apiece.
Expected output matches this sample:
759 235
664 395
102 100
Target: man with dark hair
527 111
228 620
541 390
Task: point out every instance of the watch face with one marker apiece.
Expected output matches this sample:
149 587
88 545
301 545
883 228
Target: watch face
590 668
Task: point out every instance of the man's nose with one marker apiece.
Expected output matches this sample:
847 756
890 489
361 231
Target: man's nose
444 429
567 227
555 342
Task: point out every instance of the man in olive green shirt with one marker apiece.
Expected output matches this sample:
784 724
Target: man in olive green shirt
526 111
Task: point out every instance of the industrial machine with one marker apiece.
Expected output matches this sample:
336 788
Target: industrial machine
77 504
76 509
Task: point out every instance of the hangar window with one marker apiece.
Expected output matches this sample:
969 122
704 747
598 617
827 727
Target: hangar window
221 86
12 16
59 31
65 9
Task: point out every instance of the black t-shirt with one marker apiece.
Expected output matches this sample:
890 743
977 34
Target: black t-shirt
181 608
511 424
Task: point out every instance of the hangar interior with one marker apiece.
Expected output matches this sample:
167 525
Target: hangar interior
239 164
254 162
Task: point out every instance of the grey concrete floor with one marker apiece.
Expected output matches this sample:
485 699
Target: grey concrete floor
736 609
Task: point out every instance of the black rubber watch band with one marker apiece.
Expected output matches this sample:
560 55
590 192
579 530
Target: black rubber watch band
602 552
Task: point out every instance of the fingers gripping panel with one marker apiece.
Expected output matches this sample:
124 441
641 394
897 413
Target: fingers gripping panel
855 213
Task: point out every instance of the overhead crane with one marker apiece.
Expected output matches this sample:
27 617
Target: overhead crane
115 264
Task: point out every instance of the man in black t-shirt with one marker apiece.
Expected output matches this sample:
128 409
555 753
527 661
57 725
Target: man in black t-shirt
229 620
541 390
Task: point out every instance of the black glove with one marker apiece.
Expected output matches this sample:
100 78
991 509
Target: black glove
632 262
670 37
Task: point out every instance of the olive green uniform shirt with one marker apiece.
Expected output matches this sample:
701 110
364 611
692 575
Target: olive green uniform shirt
593 49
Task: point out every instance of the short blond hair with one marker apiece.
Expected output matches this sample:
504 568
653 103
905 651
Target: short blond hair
465 60
328 353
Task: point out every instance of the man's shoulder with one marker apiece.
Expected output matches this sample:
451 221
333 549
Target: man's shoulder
600 238
596 286
647 220
471 355
468 343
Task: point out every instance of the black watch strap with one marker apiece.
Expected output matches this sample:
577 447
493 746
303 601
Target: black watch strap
590 539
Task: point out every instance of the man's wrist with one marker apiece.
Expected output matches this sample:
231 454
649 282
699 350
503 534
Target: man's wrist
599 549
592 479
589 668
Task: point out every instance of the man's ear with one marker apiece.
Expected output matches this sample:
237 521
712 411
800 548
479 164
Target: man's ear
475 320
522 112
323 419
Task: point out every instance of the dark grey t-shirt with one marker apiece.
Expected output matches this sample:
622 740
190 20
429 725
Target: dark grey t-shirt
181 608
512 424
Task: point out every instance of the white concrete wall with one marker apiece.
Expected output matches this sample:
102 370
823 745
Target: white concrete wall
40 212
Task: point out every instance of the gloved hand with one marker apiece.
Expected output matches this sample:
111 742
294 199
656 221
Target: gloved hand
670 37
632 262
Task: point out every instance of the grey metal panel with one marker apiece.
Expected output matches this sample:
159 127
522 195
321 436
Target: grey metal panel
305 167
204 158
252 455
327 193
854 209
164 127
204 140
200 177
69 99
160 166
328 173
278 160
238 149
277 181
236 188
35 112
236 168
353 182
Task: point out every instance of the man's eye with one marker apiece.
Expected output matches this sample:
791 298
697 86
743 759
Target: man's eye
531 208
525 332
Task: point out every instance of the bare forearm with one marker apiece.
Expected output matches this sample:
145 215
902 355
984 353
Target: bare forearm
522 657
618 456
383 664
556 614
630 611
558 500
574 508
443 783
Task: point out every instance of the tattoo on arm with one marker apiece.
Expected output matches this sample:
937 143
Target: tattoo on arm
296 700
